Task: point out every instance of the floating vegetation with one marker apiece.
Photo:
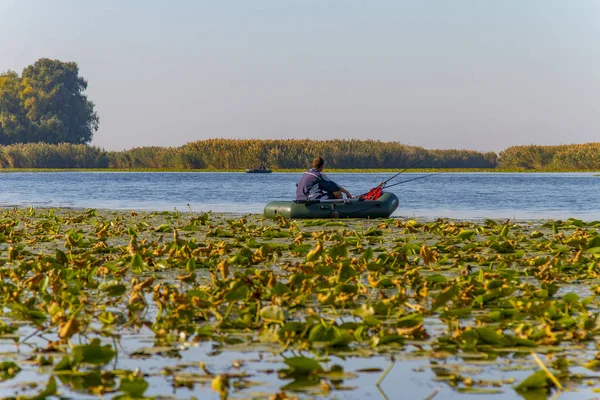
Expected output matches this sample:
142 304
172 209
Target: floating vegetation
134 305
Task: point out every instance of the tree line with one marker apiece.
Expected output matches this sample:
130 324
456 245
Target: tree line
46 121
229 154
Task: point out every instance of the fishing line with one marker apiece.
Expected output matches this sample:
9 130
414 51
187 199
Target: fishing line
413 179
404 170
383 184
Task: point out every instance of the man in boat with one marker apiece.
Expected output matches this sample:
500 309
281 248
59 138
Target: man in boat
315 185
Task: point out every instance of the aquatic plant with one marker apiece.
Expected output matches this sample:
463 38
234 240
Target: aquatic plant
297 306
572 157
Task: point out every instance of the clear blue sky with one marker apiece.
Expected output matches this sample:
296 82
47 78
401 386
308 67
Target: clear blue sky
469 74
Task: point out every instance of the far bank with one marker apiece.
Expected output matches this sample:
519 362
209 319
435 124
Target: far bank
215 155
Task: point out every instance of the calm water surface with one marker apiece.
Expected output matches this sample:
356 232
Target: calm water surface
449 195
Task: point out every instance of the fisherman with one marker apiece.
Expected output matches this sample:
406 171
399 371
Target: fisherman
315 185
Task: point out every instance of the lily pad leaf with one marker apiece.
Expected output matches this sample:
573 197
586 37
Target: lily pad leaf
436 278
390 339
280 289
137 263
320 333
594 242
537 380
65 364
8 369
467 234
367 254
164 228
488 335
272 313
239 293
571 298
445 296
410 320
303 365
133 386
93 353
302 249
315 253
112 288
347 272
338 251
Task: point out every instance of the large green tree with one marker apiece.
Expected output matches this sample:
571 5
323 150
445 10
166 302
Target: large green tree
46 104
14 126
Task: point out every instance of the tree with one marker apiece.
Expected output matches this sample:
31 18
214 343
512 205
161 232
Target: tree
14 125
54 103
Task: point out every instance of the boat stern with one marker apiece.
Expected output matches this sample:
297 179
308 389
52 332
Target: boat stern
275 208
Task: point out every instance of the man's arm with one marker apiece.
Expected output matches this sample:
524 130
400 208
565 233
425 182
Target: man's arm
327 185
330 186
347 193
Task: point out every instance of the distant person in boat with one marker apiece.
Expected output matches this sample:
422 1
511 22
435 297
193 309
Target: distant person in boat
315 185
262 167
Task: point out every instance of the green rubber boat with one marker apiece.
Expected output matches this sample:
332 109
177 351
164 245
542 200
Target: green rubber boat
351 208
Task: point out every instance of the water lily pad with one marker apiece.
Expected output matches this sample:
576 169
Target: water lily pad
535 381
272 313
303 365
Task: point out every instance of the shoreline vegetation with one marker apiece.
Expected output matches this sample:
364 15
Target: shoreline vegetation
235 155
296 170
47 122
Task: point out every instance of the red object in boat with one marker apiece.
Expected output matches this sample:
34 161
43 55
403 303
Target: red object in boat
373 194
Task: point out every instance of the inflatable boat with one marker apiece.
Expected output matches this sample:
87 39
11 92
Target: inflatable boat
348 208
258 171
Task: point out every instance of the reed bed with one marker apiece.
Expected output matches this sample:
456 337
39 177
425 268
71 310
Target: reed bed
296 155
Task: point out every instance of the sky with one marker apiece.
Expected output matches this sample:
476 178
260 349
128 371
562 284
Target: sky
460 74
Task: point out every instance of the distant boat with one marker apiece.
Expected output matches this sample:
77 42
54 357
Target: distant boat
258 171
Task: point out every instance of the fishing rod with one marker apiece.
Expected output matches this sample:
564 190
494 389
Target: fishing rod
376 192
414 179
404 170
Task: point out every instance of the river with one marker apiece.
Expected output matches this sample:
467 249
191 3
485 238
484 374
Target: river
446 195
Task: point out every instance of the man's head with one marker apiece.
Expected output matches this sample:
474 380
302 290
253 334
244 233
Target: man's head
318 163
